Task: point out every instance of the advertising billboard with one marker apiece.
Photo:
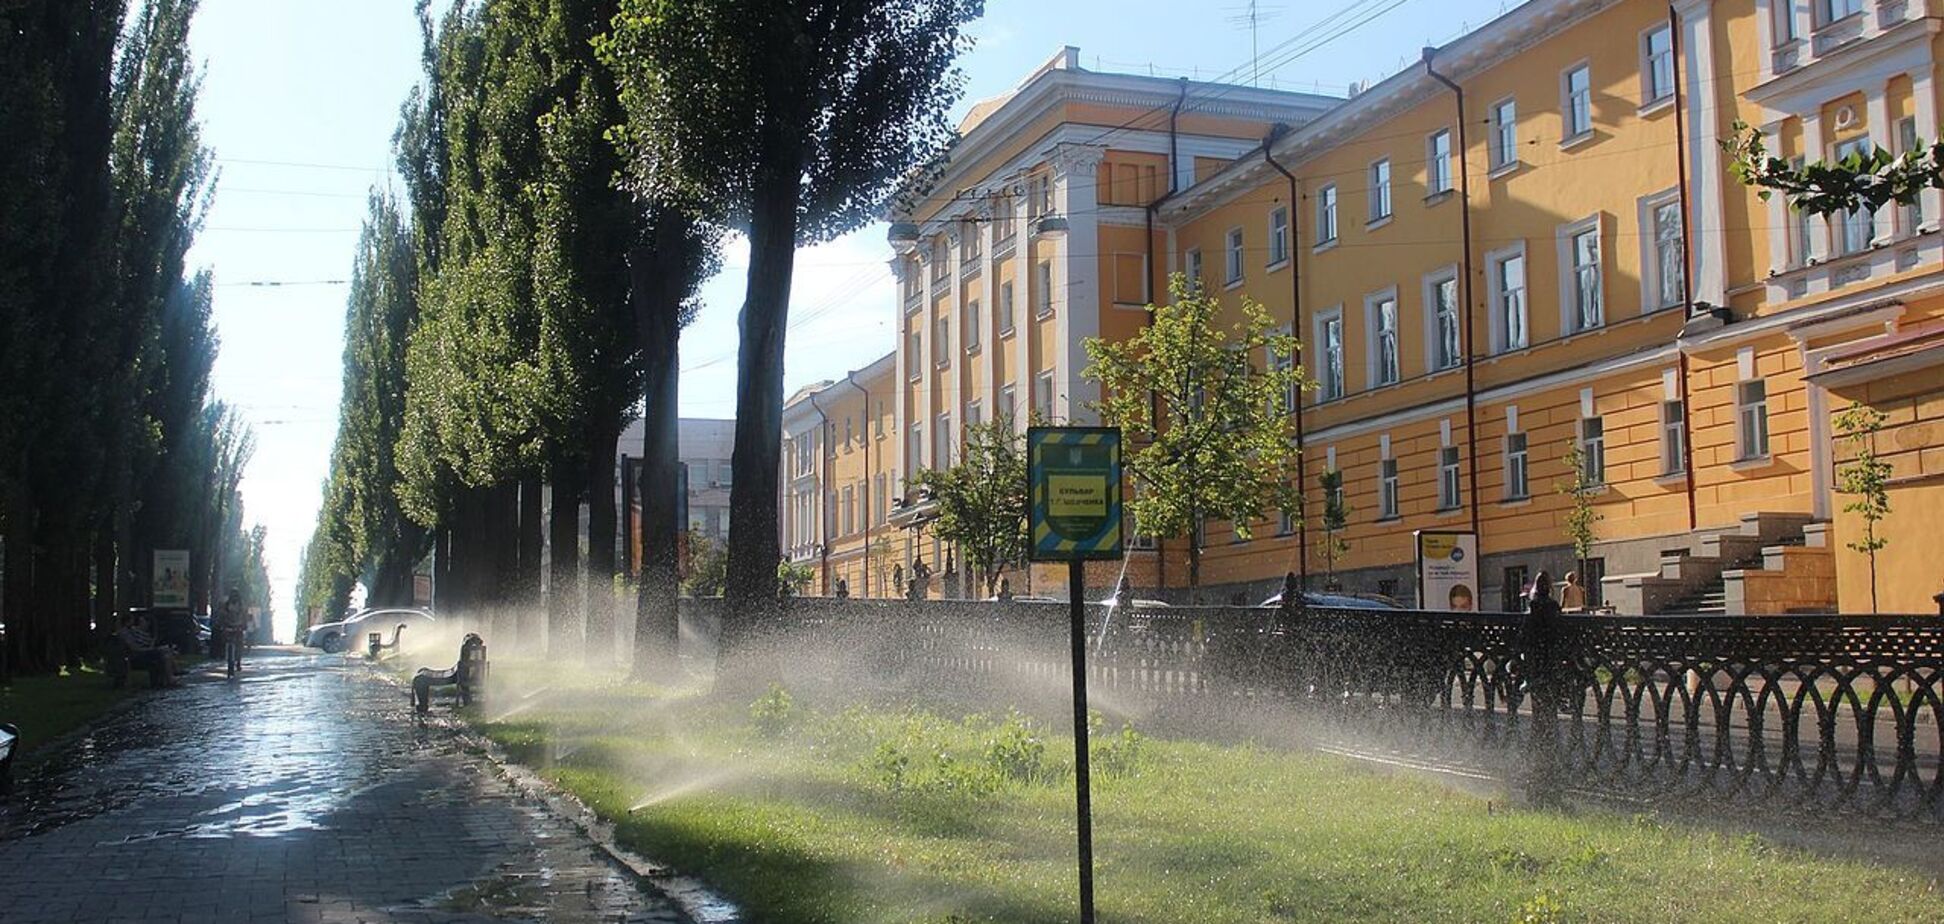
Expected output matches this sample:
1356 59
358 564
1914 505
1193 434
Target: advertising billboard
1447 570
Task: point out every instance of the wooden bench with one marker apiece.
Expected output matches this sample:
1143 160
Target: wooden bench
9 742
375 646
469 675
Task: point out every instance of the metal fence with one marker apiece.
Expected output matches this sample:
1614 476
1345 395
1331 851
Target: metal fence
1799 712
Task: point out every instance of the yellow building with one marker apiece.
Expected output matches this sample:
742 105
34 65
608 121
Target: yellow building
1528 240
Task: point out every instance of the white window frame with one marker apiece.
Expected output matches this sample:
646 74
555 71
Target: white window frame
1501 331
1437 163
1232 250
942 341
1575 107
915 446
1286 403
1377 372
1802 236
1593 449
1278 236
1043 395
1651 281
1909 217
914 353
1751 421
1673 427
1518 465
942 452
1569 278
1387 485
1008 403
1502 149
1656 87
1006 307
1380 190
1332 382
1451 487
1193 269
1043 278
1433 344
974 412
1326 216
1835 11
1851 230
971 337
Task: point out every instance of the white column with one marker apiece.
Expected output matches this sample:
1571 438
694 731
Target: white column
1923 92
1820 244
1705 168
1876 107
927 396
1076 278
989 309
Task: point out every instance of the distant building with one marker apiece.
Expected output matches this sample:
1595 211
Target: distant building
705 446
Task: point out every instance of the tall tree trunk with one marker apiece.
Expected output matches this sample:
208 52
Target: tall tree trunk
657 295
507 528
751 604
563 569
532 554
105 576
442 589
600 545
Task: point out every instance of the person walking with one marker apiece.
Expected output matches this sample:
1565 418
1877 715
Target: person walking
232 620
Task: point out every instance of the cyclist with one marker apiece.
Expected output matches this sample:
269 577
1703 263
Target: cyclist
232 621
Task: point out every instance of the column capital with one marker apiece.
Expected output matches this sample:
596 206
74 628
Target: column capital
1069 158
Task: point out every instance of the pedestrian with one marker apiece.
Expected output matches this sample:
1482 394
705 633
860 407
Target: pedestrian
920 579
1005 590
1572 597
232 621
1543 676
843 589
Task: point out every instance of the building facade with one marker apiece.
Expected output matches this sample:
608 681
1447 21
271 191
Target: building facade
1529 241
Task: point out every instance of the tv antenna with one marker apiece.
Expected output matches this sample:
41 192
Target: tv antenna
1251 16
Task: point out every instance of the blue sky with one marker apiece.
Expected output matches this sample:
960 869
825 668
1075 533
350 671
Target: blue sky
300 99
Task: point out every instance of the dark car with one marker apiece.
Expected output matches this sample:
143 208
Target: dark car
1341 599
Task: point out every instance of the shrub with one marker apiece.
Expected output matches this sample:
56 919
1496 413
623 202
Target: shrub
1016 752
774 712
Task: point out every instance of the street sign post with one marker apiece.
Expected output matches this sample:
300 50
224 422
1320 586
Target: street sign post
1074 493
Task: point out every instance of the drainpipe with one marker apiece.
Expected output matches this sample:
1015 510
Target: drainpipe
1153 260
823 494
1465 266
1687 262
1296 331
850 378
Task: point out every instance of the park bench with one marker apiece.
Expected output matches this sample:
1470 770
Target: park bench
469 675
375 646
9 742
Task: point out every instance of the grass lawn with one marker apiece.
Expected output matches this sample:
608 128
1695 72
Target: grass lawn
884 814
47 707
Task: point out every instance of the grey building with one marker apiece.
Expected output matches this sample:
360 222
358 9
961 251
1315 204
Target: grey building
705 448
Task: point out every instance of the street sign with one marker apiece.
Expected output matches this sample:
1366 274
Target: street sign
1447 562
1074 475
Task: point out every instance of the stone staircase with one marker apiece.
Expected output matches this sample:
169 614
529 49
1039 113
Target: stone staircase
1769 563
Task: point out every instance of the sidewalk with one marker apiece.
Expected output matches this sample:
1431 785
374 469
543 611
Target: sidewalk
306 791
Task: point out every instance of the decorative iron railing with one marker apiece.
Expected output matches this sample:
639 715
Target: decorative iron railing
1802 712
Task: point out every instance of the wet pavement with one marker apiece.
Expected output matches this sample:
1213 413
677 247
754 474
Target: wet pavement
306 791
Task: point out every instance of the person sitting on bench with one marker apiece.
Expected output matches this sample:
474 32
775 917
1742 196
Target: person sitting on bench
138 643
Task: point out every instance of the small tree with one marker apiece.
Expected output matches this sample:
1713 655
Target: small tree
982 499
1867 477
1210 406
708 566
1336 519
1863 181
792 579
1581 516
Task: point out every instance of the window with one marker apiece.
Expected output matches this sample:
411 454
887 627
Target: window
1785 22
1669 267
1437 163
1593 450
969 245
1854 227
1841 9
848 509
941 258
724 473
1043 395
942 453
1004 228
913 289
1005 307
1008 403
1673 438
1801 243
1330 331
1194 271
1279 362
1656 66
974 413
1594 580
1576 106
1045 281
1039 195
971 326
1444 323
1384 322
1386 489
1234 274
1278 235
1380 197
942 342
915 446
1584 249
1326 215
1285 523
1505 134
1517 485
1448 478
1913 213
1512 589
881 415
883 497
1752 413
848 435
914 355
1509 301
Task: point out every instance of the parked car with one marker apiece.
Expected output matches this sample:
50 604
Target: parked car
1341 599
333 637
1026 598
1136 603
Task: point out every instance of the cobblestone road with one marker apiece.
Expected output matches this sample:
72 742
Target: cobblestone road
306 791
